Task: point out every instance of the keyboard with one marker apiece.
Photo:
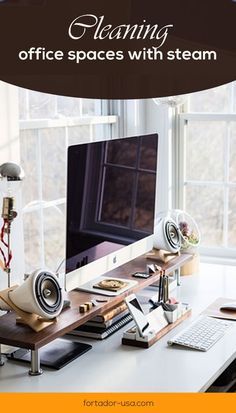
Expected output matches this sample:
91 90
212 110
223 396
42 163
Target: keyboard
202 334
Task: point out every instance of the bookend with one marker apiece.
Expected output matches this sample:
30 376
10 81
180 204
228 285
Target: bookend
34 321
132 337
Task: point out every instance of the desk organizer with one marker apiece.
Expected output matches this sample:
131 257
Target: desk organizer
132 337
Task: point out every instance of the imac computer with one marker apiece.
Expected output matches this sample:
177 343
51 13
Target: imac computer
111 187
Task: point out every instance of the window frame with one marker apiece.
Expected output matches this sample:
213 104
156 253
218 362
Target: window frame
103 118
180 183
126 118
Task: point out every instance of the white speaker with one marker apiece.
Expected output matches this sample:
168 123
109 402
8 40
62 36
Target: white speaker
167 236
39 294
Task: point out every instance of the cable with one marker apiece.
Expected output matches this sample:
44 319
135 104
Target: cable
60 265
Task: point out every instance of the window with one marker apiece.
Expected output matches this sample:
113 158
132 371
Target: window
122 174
36 129
48 124
120 191
207 166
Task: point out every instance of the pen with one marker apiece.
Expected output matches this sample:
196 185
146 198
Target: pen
164 289
160 288
167 288
145 327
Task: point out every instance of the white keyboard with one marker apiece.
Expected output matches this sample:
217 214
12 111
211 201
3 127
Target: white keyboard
202 333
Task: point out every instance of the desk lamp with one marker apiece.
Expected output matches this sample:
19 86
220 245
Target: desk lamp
10 176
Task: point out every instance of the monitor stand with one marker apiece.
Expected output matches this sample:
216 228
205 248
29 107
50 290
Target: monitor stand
54 355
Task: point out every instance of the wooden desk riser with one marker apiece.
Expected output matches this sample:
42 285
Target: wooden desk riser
22 336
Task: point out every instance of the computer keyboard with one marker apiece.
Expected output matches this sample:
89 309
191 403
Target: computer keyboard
202 333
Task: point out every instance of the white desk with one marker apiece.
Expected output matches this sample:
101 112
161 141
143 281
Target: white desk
111 367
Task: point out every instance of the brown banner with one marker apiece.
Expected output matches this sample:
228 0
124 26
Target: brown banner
124 49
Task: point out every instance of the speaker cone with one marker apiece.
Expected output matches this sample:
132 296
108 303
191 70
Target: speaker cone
48 293
166 235
39 294
172 234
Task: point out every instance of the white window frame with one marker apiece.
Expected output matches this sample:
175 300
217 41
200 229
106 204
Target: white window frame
66 122
216 253
124 118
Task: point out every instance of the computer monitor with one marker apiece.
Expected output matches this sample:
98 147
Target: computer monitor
111 187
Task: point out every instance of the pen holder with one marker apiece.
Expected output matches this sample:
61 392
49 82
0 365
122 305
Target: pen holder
172 316
130 338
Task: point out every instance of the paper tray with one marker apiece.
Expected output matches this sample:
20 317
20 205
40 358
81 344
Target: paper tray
88 287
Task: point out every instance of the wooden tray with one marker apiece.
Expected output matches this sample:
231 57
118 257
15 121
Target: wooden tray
160 334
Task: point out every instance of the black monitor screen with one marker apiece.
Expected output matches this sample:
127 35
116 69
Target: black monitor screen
110 196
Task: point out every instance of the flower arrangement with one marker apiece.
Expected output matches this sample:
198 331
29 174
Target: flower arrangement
190 236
